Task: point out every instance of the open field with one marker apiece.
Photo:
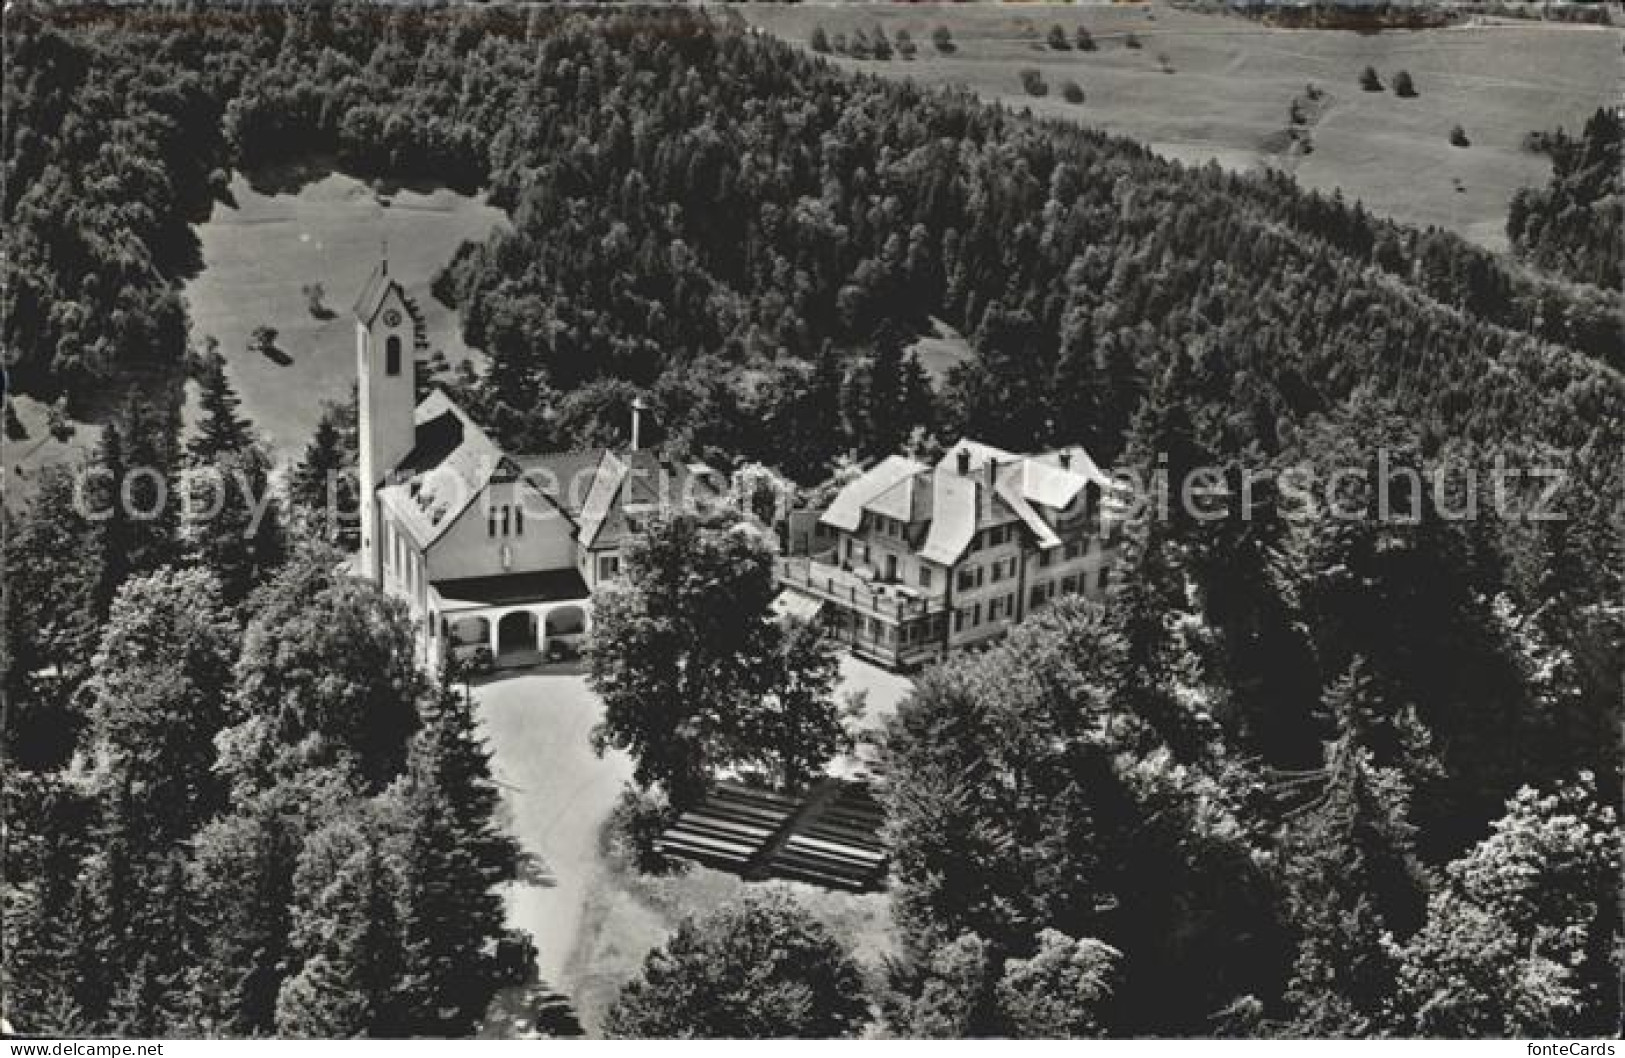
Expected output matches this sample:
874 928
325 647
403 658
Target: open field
1233 82
260 253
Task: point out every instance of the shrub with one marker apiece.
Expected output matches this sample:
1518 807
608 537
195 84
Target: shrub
1404 87
1458 137
819 41
635 824
838 44
1071 92
1057 39
943 39
1132 41
1369 80
905 44
1086 40
1033 82
882 46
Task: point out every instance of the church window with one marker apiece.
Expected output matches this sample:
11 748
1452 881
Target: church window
519 520
392 355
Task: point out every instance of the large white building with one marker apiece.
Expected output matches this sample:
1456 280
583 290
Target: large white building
491 551
914 562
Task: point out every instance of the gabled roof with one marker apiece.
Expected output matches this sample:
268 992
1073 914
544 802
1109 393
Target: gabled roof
907 501
847 510
379 286
567 477
451 464
953 522
973 487
634 483
1010 485
600 501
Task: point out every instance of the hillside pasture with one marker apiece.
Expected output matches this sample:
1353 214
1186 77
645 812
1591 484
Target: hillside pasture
1232 84
260 253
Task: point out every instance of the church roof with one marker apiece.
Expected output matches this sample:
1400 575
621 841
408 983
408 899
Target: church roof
453 461
377 290
450 465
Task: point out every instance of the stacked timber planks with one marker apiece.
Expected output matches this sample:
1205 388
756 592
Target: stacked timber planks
836 841
730 829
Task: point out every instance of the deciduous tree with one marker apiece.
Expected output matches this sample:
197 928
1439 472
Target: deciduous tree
761 968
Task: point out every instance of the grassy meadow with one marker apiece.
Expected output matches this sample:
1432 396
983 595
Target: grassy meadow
1210 87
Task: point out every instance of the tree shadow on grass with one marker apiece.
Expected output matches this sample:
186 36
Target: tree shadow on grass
276 355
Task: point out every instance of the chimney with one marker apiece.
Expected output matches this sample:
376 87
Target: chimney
990 475
638 407
964 461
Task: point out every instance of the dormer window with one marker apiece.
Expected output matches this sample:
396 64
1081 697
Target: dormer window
392 355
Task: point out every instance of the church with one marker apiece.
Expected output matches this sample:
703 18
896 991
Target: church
496 554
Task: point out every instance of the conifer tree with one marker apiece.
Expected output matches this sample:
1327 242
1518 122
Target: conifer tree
347 937
152 493
220 428
1351 876
323 488
111 537
234 524
452 858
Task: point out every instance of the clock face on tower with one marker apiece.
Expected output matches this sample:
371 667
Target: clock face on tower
392 318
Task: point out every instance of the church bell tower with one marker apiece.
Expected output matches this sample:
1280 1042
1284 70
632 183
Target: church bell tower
385 333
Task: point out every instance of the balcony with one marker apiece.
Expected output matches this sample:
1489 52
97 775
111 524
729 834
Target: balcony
894 603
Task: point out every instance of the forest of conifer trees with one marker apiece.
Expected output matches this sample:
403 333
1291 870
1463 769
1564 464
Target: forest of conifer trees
1275 787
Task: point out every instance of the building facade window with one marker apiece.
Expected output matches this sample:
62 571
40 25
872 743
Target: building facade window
608 566
925 576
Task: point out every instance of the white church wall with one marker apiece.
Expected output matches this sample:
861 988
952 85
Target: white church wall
468 548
